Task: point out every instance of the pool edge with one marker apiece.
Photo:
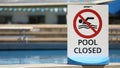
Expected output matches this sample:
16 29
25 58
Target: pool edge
111 65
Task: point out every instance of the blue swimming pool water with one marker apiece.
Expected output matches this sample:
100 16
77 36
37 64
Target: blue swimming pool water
43 56
33 57
114 55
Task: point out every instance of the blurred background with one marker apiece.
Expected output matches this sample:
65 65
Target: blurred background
114 12
35 31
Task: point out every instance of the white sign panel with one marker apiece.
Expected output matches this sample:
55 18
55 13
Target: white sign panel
88 34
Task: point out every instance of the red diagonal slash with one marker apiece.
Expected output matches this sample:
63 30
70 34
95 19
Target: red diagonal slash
79 15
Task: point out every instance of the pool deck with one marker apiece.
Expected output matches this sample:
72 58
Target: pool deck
111 65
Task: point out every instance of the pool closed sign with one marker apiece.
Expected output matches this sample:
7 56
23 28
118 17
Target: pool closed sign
87 34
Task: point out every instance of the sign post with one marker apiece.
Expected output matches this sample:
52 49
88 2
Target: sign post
87 34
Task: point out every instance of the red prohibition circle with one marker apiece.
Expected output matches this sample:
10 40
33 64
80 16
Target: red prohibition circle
96 32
